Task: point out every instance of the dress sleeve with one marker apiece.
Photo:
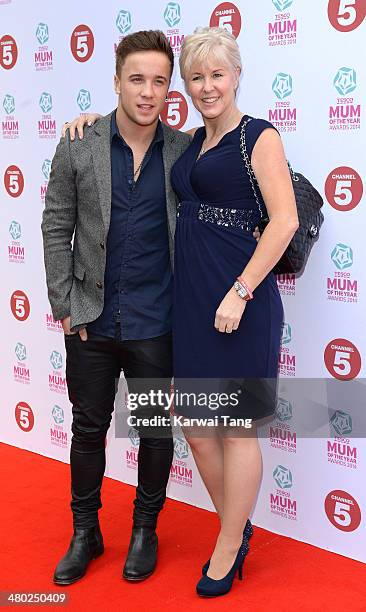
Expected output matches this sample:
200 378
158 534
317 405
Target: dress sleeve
253 130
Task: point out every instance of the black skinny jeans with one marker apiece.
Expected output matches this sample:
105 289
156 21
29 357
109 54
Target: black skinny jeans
92 368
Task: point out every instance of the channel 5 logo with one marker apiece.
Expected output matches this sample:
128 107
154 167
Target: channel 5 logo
346 15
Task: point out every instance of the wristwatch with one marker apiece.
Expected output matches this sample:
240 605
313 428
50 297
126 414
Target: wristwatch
243 290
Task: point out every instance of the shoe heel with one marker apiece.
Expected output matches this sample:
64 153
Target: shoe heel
98 552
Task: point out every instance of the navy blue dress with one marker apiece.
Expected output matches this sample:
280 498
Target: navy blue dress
213 243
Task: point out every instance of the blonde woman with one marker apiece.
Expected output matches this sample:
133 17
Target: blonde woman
227 309
225 329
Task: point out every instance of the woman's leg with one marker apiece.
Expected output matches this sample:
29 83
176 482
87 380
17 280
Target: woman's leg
242 474
208 453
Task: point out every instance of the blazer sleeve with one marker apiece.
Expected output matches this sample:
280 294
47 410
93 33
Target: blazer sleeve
58 225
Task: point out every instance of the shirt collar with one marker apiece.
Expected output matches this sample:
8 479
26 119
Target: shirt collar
159 134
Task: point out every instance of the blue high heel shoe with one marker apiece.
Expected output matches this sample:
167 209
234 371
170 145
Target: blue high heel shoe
247 533
208 587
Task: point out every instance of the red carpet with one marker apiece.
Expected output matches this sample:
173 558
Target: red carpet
280 573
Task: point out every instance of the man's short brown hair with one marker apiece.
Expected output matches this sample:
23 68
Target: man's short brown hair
145 40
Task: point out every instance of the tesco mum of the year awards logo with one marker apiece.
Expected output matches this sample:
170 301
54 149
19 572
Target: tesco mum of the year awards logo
43 55
286 359
342 510
226 15
172 17
345 114
281 434
175 111
46 124
181 471
82 43
340 451
343 188
24 416
281 501
286 283
51 324
283 29
283 115
123 24
8 52
132 452
21 370
56 378
10 124
16 252
45 172
346 15
342 359
58 435
83 100
342 286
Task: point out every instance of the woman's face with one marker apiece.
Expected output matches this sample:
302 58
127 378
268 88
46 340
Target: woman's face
211 87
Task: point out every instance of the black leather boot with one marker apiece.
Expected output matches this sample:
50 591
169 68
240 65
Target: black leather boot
85 545
142 554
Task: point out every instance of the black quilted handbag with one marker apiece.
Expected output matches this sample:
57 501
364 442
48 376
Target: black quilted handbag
308 202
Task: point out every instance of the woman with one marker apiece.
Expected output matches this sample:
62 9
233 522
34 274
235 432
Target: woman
224 329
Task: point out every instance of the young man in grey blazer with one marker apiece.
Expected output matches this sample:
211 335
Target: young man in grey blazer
112 290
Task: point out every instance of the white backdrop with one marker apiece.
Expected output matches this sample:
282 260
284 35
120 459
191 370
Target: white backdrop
304 71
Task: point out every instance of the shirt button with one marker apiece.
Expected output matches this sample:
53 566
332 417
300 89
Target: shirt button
99 285
101 245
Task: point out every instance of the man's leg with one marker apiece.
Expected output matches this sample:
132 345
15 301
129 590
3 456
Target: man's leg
149 367
92 368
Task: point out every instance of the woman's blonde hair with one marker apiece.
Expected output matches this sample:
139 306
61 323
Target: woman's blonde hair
205 42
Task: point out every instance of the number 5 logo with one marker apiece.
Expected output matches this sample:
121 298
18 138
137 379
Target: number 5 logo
343 188
8 52
342 510
24 416
82 43
20 305
14 181
226 15
175 111
342 359
346 15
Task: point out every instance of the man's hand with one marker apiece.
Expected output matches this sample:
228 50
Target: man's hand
66 327
78 124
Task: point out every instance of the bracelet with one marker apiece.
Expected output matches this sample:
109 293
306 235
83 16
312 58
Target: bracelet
242 289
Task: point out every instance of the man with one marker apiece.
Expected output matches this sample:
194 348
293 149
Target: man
112 290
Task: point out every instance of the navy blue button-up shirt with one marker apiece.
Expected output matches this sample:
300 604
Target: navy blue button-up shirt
138 274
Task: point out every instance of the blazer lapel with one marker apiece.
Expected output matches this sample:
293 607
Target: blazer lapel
101 153
170 155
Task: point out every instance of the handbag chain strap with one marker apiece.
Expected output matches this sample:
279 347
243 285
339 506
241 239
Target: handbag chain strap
248 165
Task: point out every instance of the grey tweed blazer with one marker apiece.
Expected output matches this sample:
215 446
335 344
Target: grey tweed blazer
77 215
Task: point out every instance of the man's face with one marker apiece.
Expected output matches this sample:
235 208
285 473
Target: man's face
143 86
